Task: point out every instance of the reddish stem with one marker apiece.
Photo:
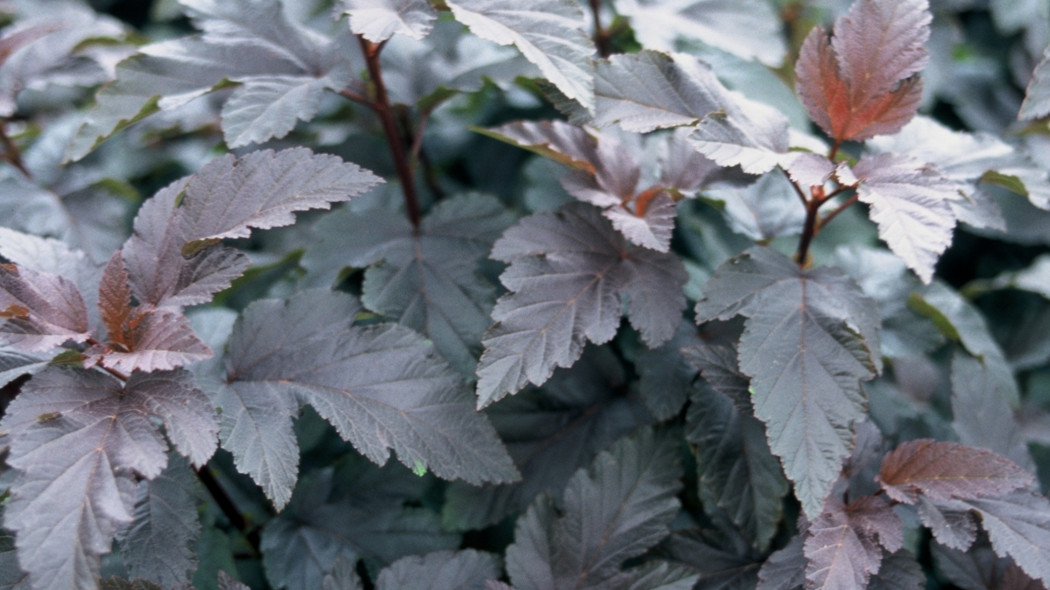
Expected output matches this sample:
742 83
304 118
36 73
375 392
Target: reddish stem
385 112
12 154
601 35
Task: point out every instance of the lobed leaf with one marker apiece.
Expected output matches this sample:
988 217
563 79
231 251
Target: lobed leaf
810 337
722 561
249 42
863 81
614 510
911 204
39 311
78 439
943 470
843 543
744 133
381 386
1018 524
569 275
427 278
549 33
379 20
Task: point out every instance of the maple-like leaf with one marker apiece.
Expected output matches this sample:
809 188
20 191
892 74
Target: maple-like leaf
569 276
78 440
615 510
943 470
550 433
39 311
863 82
1037 97
282 69
159 545
911 204
381 386
173 259
809 339
750 29
844 544
379 20
426 278
549 33
439 570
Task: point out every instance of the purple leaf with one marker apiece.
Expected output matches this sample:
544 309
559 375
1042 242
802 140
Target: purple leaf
911 204
569 274
39 311
379 20
1037 97
943 470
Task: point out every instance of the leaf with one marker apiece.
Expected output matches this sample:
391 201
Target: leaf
981 412
38 310
569 274
765 209
606 175
723 562
379 20
549 33
158 272
115 583
960 321
1018 524
899 571
142 338
467 569
550 434
75 484
650 90
785 569
342 577
1037 97
159 546
426 278
744 133
943 470
863 81
910 203
230 195
189 419
810 337
245 41
749 29
381 386
665 375
951 522
843 543
322 528
614 510
736 472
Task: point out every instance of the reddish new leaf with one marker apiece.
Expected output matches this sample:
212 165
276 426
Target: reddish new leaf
862 82
38 310
942 470
142 337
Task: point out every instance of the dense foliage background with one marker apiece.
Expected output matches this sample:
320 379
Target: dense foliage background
624 294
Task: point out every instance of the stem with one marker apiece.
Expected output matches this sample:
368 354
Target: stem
12 154
229 508
845 204
601 36
381 105
809 230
